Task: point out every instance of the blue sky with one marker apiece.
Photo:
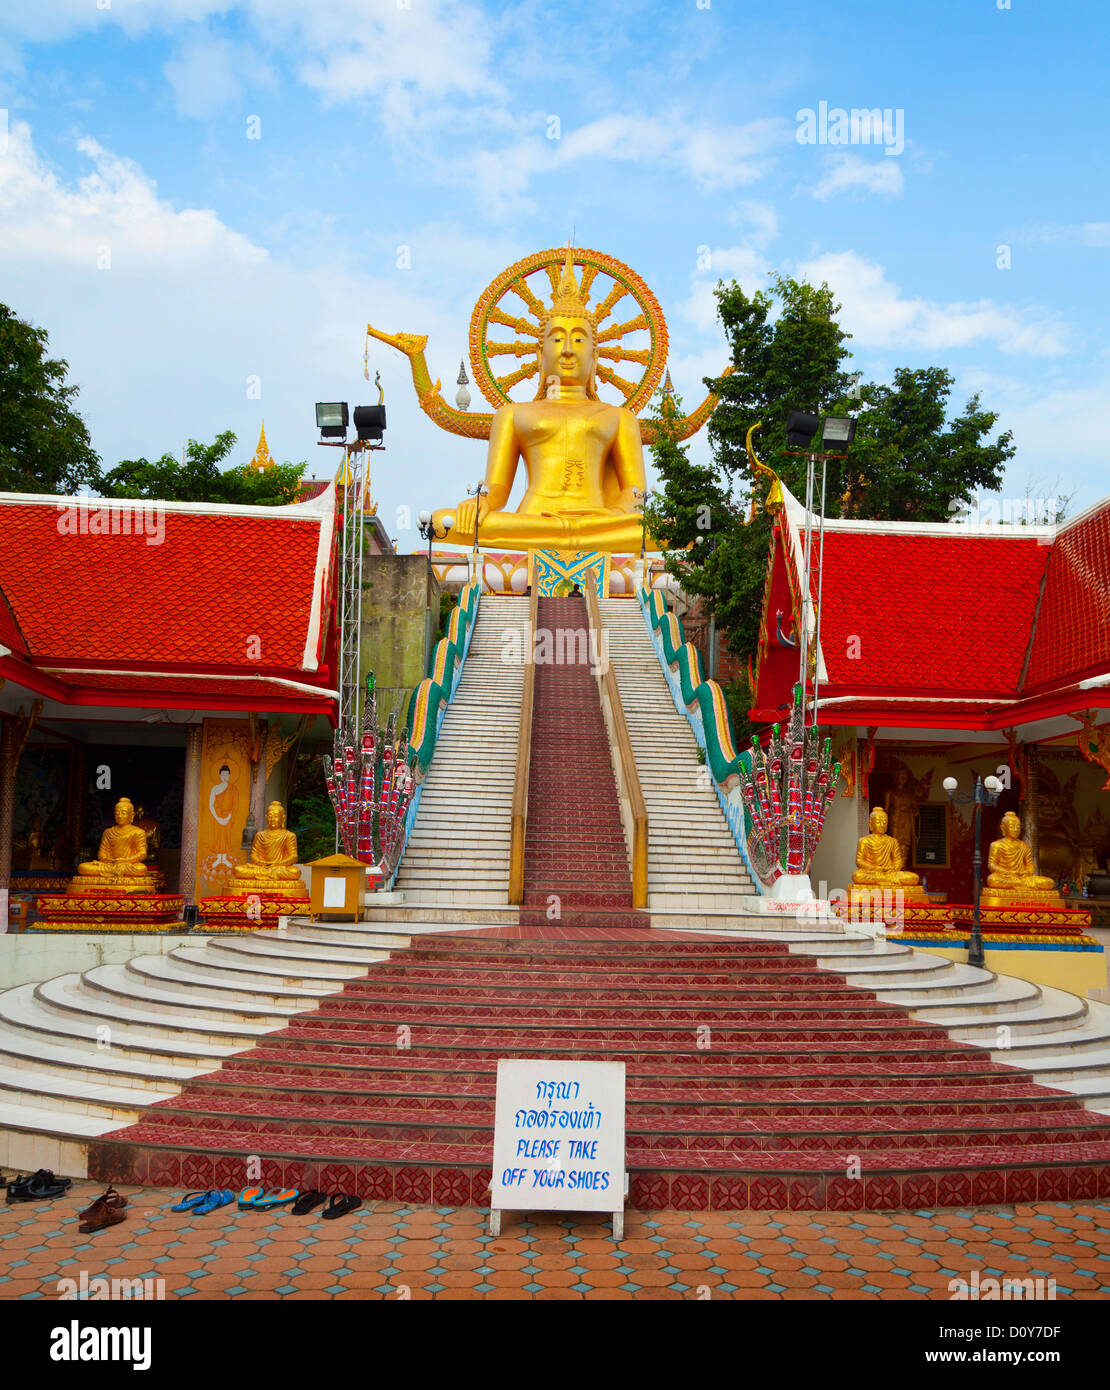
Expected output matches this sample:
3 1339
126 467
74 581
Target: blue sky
238 264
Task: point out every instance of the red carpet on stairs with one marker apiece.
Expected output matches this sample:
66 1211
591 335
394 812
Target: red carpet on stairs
575 857
754 1080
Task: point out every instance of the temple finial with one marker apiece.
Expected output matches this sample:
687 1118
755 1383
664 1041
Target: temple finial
263 460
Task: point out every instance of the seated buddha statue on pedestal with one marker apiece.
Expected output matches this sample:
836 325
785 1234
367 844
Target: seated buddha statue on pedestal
1012 880
120 865
880 864
272 870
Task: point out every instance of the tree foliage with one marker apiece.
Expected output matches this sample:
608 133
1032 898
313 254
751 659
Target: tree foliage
200 477
44 443
911 460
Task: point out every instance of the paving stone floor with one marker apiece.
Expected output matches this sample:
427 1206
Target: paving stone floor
386 1250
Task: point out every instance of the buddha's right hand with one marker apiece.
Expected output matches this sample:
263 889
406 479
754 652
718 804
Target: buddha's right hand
464 514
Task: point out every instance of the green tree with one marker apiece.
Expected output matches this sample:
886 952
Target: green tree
44 443
909 459
200 478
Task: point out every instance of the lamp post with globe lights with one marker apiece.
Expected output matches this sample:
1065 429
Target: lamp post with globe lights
427 529
987 792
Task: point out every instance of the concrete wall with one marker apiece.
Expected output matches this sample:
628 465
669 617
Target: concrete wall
834 860
29 957
397 624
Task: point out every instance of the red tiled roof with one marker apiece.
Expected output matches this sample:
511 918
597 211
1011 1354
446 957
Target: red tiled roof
228 589
10 635
1072 640
179 691
928 614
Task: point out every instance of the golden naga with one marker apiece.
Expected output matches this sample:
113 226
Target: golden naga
120 864
1012 879
881 864
583 456
272 868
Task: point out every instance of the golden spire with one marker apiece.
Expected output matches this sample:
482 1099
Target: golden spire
568 298
263 460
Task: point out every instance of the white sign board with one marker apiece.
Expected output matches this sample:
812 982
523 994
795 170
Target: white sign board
558 1138
335 891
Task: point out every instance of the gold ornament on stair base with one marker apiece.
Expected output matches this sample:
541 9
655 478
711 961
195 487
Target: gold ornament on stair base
880 864
1012 879
120 865
272 869
583 456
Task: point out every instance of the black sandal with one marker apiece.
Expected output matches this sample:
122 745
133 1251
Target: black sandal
340 1204
308 1201
39 1187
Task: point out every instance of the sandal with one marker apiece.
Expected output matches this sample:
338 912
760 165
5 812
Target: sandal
38 1187
308 1201
111 1198
190 1201
212 1201
107 1210
340 1204
256 1199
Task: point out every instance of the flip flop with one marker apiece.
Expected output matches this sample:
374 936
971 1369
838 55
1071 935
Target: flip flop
248 1196
274 1199
212 1201
190 1201
308 1201
340 1204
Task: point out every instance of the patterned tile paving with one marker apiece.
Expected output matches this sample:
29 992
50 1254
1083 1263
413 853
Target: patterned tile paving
389 1250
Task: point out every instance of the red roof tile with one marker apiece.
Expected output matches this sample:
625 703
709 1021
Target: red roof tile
928 614
1072 640
180 691
10 635
220 589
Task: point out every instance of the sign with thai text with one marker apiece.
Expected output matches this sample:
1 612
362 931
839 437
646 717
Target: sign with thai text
558 1139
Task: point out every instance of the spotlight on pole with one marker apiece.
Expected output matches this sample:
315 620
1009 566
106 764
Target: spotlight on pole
369 423
800 429
332 418
839 433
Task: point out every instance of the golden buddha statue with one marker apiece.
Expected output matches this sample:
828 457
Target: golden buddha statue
583 456
900 805
120 865
272 868
1012 879
880 864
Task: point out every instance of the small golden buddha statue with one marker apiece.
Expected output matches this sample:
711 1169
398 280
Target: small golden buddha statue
1012 879
584 457
272 868
900 805
120 864
880 863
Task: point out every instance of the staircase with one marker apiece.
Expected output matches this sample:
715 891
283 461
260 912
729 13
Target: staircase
576 859
695 873
458 852
344 1056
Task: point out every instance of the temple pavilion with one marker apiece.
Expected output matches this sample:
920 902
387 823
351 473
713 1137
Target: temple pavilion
175 654
954 651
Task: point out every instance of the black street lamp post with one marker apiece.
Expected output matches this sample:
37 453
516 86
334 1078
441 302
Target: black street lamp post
986 794
427 529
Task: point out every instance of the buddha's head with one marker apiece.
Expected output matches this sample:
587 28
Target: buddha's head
900 778
1010 825
275 815
140 812
877 821
568 339
125 812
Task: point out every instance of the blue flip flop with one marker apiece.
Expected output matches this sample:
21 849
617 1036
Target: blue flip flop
190 1201
212 1201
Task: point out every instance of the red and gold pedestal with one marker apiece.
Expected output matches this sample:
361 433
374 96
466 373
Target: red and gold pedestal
251 911
110 910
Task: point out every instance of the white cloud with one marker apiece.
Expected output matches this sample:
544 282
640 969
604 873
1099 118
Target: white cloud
879 315
163 341
851 173
204 75
1091 234
744 263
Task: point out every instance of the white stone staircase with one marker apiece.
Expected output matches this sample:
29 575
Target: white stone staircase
458 852
695 872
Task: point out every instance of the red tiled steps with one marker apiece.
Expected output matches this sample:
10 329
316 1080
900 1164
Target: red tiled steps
932 1121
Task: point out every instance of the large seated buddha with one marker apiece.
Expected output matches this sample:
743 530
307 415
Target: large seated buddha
120 865
583 456
272 869
1012 880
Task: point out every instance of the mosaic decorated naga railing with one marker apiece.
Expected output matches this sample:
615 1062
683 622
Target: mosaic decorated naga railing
375 784
774 800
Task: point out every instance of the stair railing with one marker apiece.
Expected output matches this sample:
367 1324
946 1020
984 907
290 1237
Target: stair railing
523 756
633 808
